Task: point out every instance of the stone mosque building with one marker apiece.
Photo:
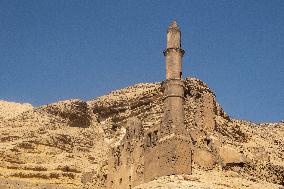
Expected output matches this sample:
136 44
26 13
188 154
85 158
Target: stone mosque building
164 149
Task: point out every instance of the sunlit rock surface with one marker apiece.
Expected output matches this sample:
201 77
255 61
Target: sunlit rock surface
66 144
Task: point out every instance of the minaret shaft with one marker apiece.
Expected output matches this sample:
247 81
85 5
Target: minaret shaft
173 64
173 53
173 121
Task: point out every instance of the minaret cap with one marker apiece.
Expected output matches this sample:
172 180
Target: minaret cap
173 38
173 26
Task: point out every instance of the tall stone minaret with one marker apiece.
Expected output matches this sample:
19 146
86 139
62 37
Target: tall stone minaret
172 152
173 121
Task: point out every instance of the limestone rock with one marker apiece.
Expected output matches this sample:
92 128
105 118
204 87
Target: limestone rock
75 111
230 155
203 159
11 109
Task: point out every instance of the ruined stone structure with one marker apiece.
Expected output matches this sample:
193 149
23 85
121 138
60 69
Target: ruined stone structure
172 130
134 135
163 149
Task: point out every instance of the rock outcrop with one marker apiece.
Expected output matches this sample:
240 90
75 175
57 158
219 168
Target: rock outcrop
12 109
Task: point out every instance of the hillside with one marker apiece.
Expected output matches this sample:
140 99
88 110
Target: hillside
66 144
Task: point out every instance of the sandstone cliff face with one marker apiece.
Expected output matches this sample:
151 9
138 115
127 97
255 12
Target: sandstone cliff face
65 144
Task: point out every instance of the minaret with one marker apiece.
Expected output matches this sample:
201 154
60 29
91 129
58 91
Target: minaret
171 154
173 121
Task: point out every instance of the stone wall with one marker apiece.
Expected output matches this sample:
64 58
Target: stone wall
126 160
162 150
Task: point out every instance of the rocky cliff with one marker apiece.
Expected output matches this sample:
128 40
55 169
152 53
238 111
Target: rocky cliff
66 144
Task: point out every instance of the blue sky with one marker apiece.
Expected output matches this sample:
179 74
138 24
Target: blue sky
52 50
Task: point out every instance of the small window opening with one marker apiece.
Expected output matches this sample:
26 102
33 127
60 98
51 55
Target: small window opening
149 140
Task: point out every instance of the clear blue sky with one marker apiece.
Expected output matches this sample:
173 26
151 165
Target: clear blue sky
52 50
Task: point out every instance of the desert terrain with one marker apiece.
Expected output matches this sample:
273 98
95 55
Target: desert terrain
66 144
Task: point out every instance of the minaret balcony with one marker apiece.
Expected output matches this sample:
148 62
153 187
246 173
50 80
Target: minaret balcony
168 50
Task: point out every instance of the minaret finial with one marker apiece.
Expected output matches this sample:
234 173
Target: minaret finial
173 26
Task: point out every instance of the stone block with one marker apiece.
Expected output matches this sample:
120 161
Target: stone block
230 155
171 156
204 159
